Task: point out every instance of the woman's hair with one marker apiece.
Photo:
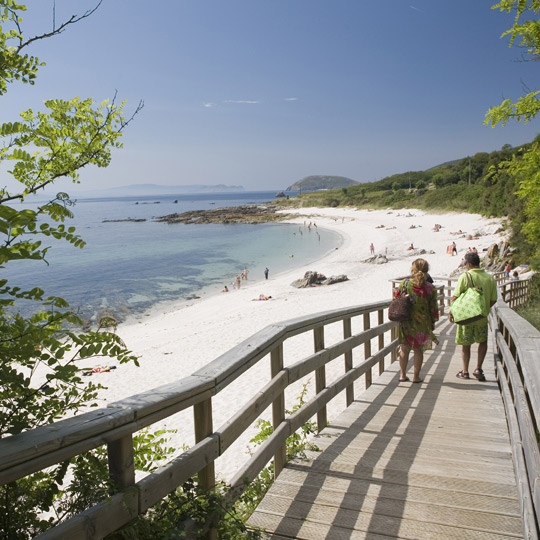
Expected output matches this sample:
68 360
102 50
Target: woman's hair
419 270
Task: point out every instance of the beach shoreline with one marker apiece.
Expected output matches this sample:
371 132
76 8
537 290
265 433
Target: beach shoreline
178 340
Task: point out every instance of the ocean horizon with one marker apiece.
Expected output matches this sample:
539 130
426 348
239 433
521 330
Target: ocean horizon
129 267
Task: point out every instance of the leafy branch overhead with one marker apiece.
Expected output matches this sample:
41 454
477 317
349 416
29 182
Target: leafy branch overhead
15 66
41 348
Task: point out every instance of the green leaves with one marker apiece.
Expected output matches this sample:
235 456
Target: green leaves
40 378
523 110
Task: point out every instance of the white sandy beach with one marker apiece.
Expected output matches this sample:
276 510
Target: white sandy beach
175 341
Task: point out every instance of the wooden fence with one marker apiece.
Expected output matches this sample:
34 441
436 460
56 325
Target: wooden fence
516 345
373 340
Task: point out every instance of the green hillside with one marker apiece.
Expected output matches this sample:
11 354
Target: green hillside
478 184
318 182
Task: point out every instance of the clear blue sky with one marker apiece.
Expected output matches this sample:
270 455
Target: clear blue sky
264 92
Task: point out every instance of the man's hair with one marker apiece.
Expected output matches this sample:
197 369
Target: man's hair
472 258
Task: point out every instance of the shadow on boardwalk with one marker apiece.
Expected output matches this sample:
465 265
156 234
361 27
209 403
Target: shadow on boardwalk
426 461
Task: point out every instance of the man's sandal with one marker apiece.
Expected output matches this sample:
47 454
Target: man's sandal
479 374
463 375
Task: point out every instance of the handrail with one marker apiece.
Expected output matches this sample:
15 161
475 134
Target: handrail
516 344
372 341
374 338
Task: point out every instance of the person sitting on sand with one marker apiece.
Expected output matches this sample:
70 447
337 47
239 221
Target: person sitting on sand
225 289
410 247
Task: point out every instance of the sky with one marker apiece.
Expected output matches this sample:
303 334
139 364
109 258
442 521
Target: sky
261 93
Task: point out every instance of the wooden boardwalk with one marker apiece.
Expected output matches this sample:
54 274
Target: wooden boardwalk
412 461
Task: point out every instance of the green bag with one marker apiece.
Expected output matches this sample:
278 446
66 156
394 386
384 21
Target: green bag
470 305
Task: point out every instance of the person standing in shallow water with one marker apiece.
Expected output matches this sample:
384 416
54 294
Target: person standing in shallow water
266 273
417 333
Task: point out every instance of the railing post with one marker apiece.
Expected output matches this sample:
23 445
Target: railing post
121 464
367 349
347 333
393 336
320 376
278 408
380 320
202 416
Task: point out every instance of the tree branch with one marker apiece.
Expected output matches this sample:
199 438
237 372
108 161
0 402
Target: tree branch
72 20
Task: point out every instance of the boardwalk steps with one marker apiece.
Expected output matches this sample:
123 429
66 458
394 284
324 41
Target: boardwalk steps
424 461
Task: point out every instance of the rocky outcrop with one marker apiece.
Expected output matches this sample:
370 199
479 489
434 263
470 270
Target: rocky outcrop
416 252
133 220
248 213
497 256
376 259
313 279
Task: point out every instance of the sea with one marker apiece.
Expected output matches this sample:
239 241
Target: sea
129 267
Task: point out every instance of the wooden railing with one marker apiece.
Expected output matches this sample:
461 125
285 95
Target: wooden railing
516 345
515 292
366 339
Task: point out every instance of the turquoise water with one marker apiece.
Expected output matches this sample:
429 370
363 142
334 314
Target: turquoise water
128 267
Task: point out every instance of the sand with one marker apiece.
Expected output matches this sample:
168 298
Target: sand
176 340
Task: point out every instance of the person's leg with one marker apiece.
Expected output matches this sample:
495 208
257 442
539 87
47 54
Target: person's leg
466 357
403 361
464 338
482 350
418 361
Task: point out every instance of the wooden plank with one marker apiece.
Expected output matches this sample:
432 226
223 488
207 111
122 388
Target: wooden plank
397 507
230 365
46 439
330 519
278 405
121 463
172 397
98 521
361 488
238 423
348 361
168 477
320 376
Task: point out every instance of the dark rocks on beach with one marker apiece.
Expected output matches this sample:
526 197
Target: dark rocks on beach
249 213
313 279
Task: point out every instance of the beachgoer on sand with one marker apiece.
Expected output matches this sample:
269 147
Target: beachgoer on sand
238 280
454 249
225 289
371 248
266 271
417 333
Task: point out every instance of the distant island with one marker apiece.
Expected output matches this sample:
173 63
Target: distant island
318 182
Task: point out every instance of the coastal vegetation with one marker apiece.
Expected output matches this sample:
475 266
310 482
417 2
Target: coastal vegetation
39 379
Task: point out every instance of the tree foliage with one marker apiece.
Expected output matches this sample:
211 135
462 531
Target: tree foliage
39 377
525 32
